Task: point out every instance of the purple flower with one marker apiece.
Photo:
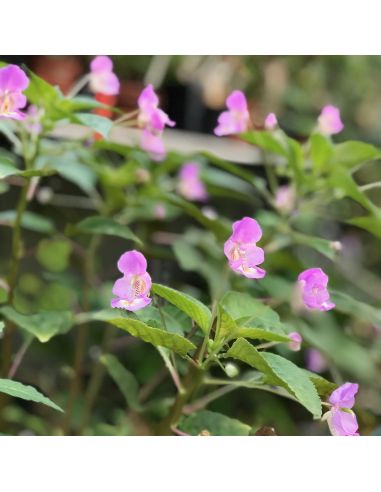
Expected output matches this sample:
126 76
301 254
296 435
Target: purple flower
236 119
102 79
296 341
132 290
241 249
341 419
190 186
151 117
12 82
271 121
316 362
313 283
329 121
153 144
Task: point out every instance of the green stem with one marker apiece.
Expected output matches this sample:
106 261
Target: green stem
192 382
82 335
16 254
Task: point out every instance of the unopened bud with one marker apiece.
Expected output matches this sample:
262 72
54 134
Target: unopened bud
231 370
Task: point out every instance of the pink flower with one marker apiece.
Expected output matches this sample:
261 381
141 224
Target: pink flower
236 119
271 121
296 341
313 283
190 186
12 82
132 290
153 144
341 420
102 79
151 117
241 249
329 121
285 198
316 362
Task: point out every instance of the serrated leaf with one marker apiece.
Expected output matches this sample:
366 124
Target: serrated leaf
97 123
322 385
261 334
43 325
124 379
279 371
226 325
155 336
107 226
186 303
19 390
213 423
30 220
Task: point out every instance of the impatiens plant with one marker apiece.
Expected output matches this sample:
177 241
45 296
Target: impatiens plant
148 291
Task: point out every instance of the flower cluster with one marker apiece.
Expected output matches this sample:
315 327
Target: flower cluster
341 419
236 119
152 120
190 186
13 82
132 290
241 249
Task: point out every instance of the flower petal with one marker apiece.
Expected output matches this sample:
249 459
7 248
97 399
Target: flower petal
132 262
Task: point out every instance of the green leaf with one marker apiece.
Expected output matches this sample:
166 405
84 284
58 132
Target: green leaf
359 310
30 220
323 246
281 372
226 326
107 226
251 313
124 379
322 385
7 169
186 303
19 390
214 423
321 152
2 326
155 336
345 186
296 160
43 325
97 123
371 223
77 173
220 230
352 153
44 95
269 141
261 334
54 254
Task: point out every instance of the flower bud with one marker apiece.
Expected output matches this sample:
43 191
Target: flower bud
231 370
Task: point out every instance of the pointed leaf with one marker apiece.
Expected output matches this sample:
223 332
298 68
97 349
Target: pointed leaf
155 336
280 372
19 390
44 325
97 123
109 227
186 303
124 379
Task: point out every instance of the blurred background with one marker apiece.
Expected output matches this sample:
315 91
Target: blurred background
193 88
